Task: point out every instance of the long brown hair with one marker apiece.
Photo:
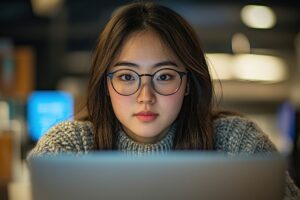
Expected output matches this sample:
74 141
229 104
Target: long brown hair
194 122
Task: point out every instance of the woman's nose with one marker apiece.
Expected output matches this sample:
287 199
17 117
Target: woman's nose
146 94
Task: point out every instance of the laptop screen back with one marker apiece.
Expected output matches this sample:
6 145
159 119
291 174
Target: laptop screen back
174 176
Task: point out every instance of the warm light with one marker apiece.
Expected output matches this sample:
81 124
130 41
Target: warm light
240 43
259 68
258 16
46 7
249 67
220 65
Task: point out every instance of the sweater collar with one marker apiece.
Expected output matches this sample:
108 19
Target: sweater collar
128 145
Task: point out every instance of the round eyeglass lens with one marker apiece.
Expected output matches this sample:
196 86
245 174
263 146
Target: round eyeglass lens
125 82
166 81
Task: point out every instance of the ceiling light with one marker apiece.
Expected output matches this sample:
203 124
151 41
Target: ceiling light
258 16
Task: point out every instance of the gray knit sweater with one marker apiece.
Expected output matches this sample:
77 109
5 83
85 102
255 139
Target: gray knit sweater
233 135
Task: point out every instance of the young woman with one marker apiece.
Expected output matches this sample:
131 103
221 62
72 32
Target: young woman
150 92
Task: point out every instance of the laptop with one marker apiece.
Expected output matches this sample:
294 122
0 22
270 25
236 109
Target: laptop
174 176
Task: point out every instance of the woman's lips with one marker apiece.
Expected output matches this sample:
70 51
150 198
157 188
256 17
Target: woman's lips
146 116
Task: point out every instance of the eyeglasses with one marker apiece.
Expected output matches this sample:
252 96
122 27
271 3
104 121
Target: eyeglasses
164 81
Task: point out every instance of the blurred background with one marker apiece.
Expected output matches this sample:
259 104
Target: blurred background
252 48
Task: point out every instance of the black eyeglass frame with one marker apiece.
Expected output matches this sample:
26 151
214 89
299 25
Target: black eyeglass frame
181 74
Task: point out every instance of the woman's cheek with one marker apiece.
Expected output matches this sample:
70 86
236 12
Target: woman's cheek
121 104
172 104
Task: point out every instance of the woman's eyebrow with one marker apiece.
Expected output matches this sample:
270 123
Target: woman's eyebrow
160 64
129 64
166 63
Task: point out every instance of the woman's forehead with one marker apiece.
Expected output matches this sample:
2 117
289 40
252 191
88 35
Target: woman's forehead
145 47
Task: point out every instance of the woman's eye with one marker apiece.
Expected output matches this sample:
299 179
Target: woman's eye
164 77
126 77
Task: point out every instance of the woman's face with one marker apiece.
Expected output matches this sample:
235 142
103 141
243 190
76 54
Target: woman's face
146 115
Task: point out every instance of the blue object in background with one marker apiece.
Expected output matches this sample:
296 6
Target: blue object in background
47 108
287 120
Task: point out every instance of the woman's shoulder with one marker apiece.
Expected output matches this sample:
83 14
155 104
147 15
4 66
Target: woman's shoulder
70 131
69 128
236 134
67 136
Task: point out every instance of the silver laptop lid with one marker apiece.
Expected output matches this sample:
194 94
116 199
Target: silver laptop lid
173 176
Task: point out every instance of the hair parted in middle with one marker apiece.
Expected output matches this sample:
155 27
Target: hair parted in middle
194 122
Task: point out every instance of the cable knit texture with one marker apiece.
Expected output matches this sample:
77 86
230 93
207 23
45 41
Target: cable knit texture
127 145
233 135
